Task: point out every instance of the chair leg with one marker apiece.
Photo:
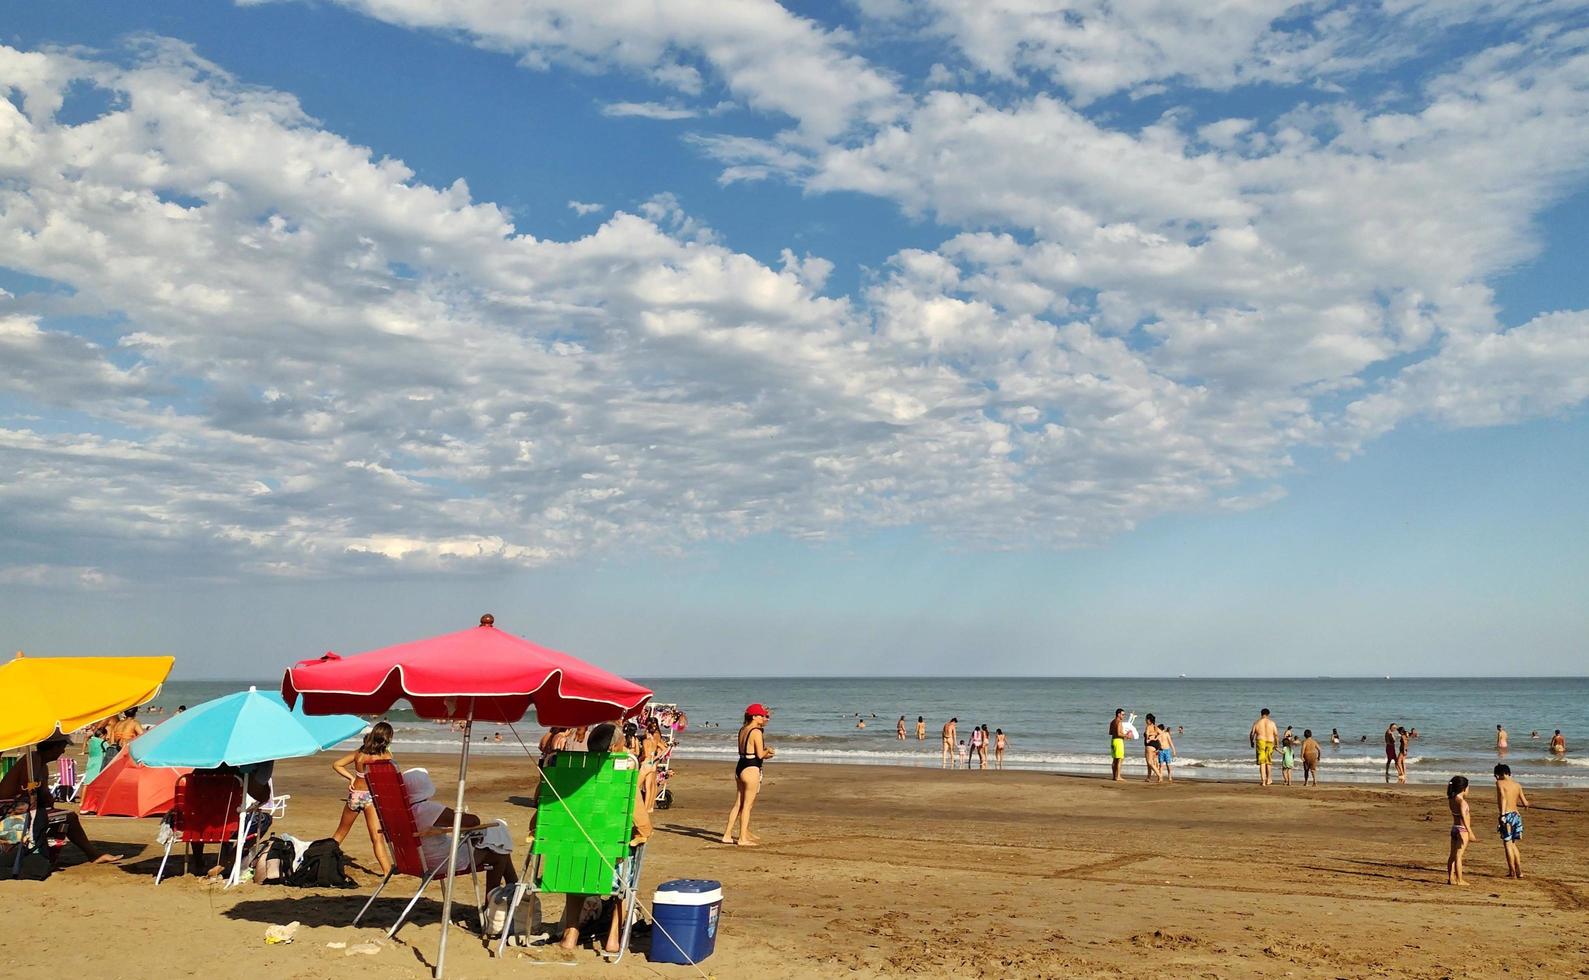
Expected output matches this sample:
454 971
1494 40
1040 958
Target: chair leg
632 900
525 882
160 873
392 932
379 888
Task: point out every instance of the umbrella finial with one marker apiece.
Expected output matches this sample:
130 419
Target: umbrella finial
488 620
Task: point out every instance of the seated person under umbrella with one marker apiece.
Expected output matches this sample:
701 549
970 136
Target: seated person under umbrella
15 788
434 820
258 783
601 740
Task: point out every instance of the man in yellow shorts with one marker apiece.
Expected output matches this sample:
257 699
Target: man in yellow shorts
1117 744
1262 738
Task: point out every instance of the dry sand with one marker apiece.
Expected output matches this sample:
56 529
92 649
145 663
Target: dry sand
871 871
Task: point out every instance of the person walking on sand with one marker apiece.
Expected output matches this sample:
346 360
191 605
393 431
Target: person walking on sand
1461 827
921 729
1558 743
1150 747
1310 757
999 745
1262 737
949 729
1500 739
1288 756
1401 755
1117 744
376 747
979 747
899 729
1509 799
1166 753
1390 749
753 752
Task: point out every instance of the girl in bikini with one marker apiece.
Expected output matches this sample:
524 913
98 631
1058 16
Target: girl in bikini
377 747
753 751
1461 828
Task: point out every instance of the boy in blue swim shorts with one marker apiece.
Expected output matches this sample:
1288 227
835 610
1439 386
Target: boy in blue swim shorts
1509 799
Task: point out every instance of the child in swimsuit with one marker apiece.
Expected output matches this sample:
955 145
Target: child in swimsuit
1287 759
1461 828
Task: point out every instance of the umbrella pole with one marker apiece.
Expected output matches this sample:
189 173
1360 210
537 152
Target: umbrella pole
457 832
242 832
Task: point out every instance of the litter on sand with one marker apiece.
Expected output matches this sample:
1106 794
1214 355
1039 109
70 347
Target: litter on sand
281 934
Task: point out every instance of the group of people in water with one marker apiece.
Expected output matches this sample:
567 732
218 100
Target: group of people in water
960 753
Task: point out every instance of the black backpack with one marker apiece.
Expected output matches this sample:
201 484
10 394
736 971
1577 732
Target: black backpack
321 867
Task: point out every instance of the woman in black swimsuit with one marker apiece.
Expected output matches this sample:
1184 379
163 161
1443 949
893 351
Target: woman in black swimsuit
1151 745
753 751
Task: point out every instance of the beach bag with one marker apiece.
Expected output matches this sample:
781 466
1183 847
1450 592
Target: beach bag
526 918
275 862
323 866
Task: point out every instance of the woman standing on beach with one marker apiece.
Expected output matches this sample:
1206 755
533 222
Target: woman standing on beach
377 747
1151 746
979 747
651 751
999 743
753 751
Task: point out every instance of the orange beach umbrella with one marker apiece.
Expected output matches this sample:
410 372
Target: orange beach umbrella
126 789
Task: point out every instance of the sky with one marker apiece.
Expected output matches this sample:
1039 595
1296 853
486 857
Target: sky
1102 337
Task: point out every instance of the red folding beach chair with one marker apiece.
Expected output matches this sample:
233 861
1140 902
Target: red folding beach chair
204 812
402 837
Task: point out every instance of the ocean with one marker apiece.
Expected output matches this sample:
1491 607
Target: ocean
1060 724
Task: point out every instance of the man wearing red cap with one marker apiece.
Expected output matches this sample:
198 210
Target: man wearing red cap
753 751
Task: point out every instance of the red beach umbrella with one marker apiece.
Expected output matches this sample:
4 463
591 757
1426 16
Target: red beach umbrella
479 674
126 789
494 675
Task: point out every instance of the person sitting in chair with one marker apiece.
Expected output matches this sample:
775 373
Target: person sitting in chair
257 783
494 855
601 742
26 779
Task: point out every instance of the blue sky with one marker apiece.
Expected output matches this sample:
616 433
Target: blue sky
881 337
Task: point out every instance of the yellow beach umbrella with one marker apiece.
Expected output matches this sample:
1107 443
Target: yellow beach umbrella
41 694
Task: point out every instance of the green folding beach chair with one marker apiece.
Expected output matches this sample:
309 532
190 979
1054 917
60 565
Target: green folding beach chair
583 827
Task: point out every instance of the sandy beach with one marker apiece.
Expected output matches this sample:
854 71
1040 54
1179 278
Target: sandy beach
875 871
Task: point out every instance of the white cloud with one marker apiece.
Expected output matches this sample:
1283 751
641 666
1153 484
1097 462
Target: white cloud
583 208
305 360
649 110
765 56
1095 48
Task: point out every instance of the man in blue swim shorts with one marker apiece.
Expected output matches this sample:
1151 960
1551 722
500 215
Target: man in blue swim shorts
1509 799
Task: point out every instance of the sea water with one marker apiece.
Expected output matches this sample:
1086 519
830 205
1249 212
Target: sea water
1061 724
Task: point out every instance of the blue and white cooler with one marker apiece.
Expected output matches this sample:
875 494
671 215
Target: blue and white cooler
686 911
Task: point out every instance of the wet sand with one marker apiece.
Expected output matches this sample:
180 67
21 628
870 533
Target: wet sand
872 871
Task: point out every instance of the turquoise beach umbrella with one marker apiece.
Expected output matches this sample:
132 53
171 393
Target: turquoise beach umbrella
241 729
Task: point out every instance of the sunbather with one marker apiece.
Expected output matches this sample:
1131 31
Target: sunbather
601 741
16 787
494 855
257 783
